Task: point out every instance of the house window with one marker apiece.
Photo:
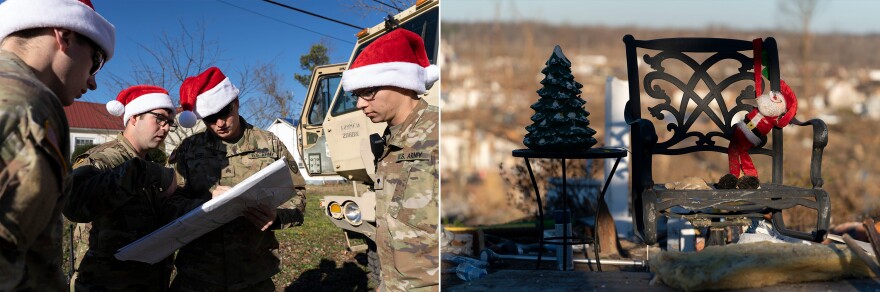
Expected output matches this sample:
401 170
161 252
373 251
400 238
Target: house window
84 141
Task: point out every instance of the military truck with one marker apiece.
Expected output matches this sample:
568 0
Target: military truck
335 137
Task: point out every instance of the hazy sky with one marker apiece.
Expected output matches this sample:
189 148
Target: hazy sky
852 16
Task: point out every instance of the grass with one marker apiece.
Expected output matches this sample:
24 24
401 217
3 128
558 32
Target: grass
313 256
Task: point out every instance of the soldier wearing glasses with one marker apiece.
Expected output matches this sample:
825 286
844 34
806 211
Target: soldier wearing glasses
241 255
50 51
115 189
388 77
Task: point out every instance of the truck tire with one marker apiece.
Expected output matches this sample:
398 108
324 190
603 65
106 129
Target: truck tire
374 276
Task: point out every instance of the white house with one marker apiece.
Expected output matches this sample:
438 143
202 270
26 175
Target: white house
285 129
90 123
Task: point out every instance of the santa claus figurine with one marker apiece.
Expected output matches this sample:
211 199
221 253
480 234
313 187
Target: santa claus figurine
775 109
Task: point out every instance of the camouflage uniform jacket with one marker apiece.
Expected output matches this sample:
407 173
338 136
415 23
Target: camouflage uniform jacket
33 163
236 255
407 203
115 190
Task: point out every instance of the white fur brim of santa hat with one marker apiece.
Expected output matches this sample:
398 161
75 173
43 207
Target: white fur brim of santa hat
397 59
18 15
147 102
215 99
398 74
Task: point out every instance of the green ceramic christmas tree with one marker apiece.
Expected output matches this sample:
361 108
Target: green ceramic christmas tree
560 120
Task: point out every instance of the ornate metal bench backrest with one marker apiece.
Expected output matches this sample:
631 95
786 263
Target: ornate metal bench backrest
700 58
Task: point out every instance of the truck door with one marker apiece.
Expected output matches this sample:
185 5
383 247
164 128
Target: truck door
310 132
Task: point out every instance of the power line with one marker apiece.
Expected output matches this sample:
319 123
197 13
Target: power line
314 14
284 22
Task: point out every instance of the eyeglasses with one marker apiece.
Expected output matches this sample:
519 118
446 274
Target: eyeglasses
97 55
368 94
222 114
162 120
97 62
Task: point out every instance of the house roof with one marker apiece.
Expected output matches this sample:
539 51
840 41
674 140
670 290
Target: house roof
90 115
288 121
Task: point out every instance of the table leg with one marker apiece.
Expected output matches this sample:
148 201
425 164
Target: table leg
610 176
540 223
597 247
564 227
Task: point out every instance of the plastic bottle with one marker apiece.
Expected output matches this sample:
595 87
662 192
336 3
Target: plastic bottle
563 221
464 260
469 272
489 256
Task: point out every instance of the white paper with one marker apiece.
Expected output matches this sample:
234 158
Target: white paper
864 245
271 186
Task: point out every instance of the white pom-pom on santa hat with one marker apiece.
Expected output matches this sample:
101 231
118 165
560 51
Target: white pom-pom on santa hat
432 74
139 99
77 15
115 108
396 59
205 94
187 119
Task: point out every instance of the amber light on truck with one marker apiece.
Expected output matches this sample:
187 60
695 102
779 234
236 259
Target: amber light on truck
335 210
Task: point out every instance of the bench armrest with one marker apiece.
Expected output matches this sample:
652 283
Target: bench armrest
820 140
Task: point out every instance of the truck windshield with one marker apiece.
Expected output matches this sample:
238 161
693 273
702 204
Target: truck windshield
425 25
326 87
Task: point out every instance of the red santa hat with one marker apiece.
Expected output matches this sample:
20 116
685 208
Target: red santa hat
788 95
77 15
204 95
139 99
396 59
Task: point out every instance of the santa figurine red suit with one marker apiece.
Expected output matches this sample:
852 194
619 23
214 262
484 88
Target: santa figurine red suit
775 109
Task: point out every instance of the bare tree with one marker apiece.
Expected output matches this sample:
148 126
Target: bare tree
271 99
173 58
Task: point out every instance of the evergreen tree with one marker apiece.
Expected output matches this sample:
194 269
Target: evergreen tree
560 120
317 56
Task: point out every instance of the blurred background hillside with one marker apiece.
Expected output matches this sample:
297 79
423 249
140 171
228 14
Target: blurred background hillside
491 70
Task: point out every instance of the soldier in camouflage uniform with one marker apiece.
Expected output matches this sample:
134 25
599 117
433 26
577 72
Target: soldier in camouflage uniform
115 189
50 51
388 77
242 254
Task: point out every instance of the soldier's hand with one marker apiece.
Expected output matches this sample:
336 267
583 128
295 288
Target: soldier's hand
261 216
219 190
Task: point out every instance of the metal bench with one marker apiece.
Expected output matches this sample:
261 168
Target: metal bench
702 120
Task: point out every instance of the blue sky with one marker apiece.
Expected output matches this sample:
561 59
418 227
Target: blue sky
244 37
851 16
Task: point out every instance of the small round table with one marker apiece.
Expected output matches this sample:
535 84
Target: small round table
592 153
